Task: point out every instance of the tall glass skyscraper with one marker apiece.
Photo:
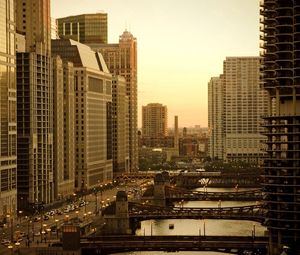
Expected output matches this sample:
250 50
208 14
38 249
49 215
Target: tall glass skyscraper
8 125
280 34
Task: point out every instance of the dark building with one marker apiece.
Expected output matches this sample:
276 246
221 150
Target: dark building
84 28
280 32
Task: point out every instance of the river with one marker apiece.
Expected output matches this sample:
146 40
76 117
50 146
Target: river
200 227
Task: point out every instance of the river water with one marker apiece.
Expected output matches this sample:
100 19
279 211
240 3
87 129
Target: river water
201 227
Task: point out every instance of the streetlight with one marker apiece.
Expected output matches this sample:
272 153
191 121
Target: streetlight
56 222
10 246
11 227
17 245
20 215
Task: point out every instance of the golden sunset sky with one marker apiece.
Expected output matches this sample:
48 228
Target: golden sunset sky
181 44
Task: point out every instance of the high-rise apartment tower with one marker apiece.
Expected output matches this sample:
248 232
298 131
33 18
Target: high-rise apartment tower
154 120
280 34
215 118
236 104
34 104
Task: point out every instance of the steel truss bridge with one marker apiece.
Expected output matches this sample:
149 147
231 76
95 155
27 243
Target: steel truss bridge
231 244
178 194
140 212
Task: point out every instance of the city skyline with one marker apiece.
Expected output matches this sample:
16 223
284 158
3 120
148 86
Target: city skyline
166 64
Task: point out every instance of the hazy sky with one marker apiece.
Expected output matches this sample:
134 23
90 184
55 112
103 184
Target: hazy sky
181 44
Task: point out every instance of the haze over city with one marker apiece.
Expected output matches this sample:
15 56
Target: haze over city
181 44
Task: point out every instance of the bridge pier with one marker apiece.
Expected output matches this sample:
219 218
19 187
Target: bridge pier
159 191
118 223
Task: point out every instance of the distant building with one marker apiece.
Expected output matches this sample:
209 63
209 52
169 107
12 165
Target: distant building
236 105
34 104
8 118
154 120
215 118
93 98
121 59
84 28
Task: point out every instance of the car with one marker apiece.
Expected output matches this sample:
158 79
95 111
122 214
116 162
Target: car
58 212
37 234
5 242
36 219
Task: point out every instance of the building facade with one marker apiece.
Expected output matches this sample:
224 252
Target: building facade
121 59
154 120
236 105
215 118
120 126
63 128
244 104
8 119
280 34
84 28
93 98
34 104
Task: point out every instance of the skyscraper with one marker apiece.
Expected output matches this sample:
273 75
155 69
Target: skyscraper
84 28
215 118
63 128
8 121
236 104
154 120
244 104
121 59
280 34
93 99
120 128
34 104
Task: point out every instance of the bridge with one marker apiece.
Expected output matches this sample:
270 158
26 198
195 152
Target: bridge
114 244
163 193
198 179
140 212
124 217
178 194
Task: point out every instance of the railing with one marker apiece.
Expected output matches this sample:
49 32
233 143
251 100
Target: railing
174 243
140 211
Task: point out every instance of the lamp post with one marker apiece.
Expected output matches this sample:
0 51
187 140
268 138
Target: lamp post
11 227
56 222
17 246
11 248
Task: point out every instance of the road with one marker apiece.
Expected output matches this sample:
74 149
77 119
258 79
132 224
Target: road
39 233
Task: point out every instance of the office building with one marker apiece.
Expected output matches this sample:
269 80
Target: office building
63 128
34 105
8 121
121 59
93 99
215 118
280 34
154 120
84 28
120 126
